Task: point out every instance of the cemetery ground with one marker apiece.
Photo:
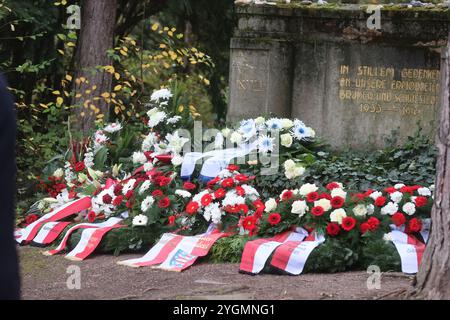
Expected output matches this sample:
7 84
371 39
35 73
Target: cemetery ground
46 277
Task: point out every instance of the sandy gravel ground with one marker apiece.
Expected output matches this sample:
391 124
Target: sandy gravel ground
101 278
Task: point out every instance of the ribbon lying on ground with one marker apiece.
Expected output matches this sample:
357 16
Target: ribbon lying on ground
175 252
24 236
409 247
48 233
292 249
218 160
90 238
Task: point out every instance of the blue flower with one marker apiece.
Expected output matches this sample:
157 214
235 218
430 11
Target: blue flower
274 124
265 144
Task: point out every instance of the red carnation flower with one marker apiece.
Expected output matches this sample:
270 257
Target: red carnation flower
118 189
129 204
333 229
164 202
242 178
312 196
91 216
164 181
348 223
31 218
390 190
192 207
274 218
421 201
337 202
219 193
239 190
287 195
118 200
107 199
249 223
398 219
157 193
171 220
358 196
129 194
325 196
373 223
368 192
414 225
364 227
332 185
206 199
232 167
189 185
79 166
213 182
380 201
317 211
227 183
407 189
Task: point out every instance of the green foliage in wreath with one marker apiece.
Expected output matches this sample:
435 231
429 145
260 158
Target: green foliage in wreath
380 253
228 250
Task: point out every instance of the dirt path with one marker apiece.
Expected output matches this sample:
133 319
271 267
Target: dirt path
101 278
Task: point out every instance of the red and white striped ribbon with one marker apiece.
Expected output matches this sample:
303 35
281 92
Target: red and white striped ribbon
175 252
410 250
63 244
28 233
258 251
49 232
291 256
89 241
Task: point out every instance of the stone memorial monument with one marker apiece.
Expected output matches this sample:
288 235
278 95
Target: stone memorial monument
331 66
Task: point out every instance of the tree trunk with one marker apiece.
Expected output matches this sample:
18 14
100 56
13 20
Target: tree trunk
433 279
98 20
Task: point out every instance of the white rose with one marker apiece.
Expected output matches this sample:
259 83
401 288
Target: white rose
177 160
289 164
58 173
139 158
337 215
307 188
374 195
370 209
236 137
287 123
338 192
140 220
286 140
299 170
360 210
399 186
396 196
324 203
409 208
299 207
389 209
270 205
226 132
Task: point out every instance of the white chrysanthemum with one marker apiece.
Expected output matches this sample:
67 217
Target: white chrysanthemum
389 209
140 220
300 131
175 143
360 210
213 213
338 215
249 190
274 124
144 186
424 192
286 140
299 207
148 166
139 158
247 128
156 119
396 196
236 137
177 160
174 120
183 193
307 188
232 199
129 186
113 127
147 203
149 141
58 173
409 208
338 192
265 143
270 205
324 203
162 94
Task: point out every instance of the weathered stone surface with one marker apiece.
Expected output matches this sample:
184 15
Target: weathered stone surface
323 65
